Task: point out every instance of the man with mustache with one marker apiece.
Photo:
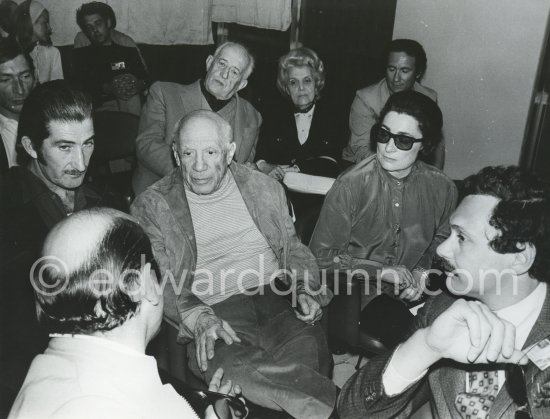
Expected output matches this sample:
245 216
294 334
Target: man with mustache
55 141
227 72
483 349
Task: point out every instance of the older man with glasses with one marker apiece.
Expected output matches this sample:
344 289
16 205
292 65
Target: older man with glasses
227 73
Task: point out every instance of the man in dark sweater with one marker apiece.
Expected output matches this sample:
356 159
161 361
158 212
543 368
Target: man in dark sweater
114 74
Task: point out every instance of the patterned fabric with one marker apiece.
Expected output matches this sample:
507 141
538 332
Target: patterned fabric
476 403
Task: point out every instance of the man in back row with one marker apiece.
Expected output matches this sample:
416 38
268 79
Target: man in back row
115 75
464 353
221 234
227 73
405 65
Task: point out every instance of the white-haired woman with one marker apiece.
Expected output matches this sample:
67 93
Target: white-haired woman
303 134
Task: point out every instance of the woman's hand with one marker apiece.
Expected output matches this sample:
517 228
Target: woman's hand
276 171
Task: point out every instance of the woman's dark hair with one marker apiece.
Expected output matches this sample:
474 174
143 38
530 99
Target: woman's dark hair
522 215
424 110
97 296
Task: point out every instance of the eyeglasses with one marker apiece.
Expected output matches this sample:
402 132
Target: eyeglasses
401 141
223 65
515 384
225 406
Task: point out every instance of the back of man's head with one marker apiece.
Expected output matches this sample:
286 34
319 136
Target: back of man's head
413 49
57 100
92 8
522 215
89 277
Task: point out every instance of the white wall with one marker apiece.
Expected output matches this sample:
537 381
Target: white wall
482 60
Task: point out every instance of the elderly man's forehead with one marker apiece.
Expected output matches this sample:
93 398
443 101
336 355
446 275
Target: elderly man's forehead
235 51
201 129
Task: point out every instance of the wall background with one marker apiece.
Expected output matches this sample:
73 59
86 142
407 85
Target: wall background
482 61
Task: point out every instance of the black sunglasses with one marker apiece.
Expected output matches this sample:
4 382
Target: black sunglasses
225 406
402 142
515 384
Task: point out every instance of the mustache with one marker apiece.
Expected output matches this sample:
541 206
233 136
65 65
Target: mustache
443 264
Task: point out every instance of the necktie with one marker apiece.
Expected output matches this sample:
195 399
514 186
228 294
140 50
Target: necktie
476 403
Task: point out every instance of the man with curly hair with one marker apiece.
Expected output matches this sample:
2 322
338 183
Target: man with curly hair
480 350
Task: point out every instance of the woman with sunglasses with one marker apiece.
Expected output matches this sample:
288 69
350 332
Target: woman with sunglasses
387 214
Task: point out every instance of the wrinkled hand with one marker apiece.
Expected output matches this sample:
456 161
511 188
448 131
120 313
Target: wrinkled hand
226 388
276 171
208 329
125 86
415 289
288 168
468 332
311 309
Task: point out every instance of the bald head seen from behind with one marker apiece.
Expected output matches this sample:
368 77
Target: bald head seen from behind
92 274
203 148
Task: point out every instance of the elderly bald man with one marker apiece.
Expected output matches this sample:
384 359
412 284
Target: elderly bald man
222 235
97 293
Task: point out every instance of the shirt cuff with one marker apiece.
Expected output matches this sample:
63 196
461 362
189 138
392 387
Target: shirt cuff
394 383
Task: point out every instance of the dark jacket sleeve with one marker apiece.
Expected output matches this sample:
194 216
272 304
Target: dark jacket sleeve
363 395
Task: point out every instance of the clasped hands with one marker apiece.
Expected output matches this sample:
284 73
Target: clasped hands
412 284
126 85
276 171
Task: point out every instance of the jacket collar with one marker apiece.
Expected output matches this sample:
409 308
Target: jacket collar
182 212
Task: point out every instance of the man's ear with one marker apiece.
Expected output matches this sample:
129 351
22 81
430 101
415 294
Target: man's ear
231 152
242 85
109 24
29 148
146 289
524 260
209 61
176 155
